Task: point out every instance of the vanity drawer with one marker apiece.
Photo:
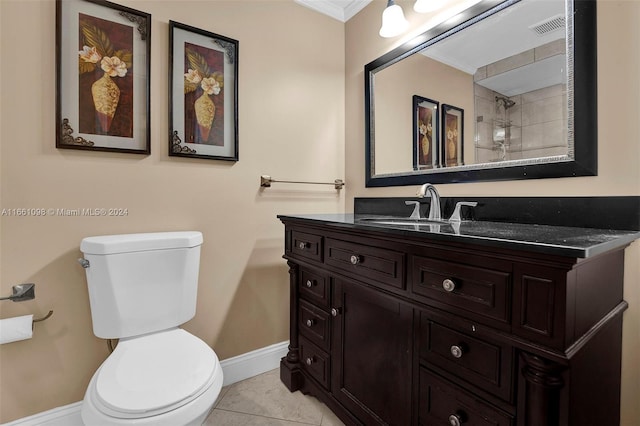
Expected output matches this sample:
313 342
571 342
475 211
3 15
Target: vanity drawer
483 363
315 361
314 323
305 245
441 402
480 291
384 266
314 287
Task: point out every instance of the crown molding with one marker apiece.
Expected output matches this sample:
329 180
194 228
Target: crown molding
342 10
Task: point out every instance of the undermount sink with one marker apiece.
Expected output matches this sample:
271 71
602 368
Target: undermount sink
401 221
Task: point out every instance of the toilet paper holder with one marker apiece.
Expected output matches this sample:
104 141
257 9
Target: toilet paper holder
22 292
35 320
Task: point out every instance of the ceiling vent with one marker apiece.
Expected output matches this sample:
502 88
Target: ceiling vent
548 25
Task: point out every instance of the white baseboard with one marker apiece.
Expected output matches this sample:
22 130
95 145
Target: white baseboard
235 369
252 363
67 415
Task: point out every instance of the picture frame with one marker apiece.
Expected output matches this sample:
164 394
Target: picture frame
103 53
452 138
203 94
425 133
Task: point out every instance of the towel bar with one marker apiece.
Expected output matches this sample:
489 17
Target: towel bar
266 181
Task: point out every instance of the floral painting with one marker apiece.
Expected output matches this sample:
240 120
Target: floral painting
102 77
452 135
203 94
105 67
425 133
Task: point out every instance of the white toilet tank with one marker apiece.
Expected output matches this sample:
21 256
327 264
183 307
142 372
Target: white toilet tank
141 283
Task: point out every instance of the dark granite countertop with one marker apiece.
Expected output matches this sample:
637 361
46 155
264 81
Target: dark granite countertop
548 239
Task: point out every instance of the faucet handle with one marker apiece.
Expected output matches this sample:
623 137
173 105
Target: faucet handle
416 209
455 216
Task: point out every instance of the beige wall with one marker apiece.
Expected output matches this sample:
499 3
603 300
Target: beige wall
396 85
291 118
618 154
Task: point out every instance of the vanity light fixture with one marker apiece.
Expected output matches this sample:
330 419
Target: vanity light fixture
393 20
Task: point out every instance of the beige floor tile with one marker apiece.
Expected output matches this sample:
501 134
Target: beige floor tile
328 418
223 392
265 395
229 418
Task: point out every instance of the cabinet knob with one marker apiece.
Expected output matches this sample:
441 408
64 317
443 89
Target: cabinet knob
355 259
309 284
335 312
457 351
455 419
309 361
310 323
448 285
302 245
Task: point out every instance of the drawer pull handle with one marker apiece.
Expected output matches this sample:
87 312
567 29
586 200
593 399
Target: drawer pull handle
456 419
309 361
309 283
310 323
355 259
448 285
302 245
335 312
457 351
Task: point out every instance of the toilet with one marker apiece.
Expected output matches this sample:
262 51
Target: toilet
142 287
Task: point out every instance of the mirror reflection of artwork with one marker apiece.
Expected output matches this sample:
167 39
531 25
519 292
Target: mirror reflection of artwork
425 134
204 95
425 129
105 81
510 70
452 135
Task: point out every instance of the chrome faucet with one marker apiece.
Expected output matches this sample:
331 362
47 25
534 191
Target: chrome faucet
434 209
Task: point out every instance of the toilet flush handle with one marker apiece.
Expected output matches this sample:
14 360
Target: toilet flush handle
84 263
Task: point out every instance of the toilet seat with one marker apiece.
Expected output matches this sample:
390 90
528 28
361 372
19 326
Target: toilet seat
150 375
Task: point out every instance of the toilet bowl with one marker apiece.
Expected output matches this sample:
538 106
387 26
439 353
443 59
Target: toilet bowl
141 288
168 378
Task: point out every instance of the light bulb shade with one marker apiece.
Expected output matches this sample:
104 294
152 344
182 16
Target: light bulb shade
393 21
424 6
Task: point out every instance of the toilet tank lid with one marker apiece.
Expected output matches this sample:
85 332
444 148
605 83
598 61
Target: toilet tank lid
125 243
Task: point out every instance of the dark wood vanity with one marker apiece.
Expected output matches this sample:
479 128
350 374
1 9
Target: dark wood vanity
391 326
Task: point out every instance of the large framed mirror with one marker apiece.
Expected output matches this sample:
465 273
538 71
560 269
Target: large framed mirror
505 90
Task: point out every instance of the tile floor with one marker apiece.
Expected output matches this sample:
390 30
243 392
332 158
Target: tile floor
264 401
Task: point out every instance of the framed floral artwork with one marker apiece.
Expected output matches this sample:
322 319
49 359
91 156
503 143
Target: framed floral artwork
102 76
452 136
425 133
203 94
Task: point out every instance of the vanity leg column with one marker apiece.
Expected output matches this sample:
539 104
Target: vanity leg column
290 373
543 382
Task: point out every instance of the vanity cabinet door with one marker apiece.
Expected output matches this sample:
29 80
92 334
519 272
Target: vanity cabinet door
371 354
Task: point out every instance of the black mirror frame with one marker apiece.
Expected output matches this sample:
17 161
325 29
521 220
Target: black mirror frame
585 102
